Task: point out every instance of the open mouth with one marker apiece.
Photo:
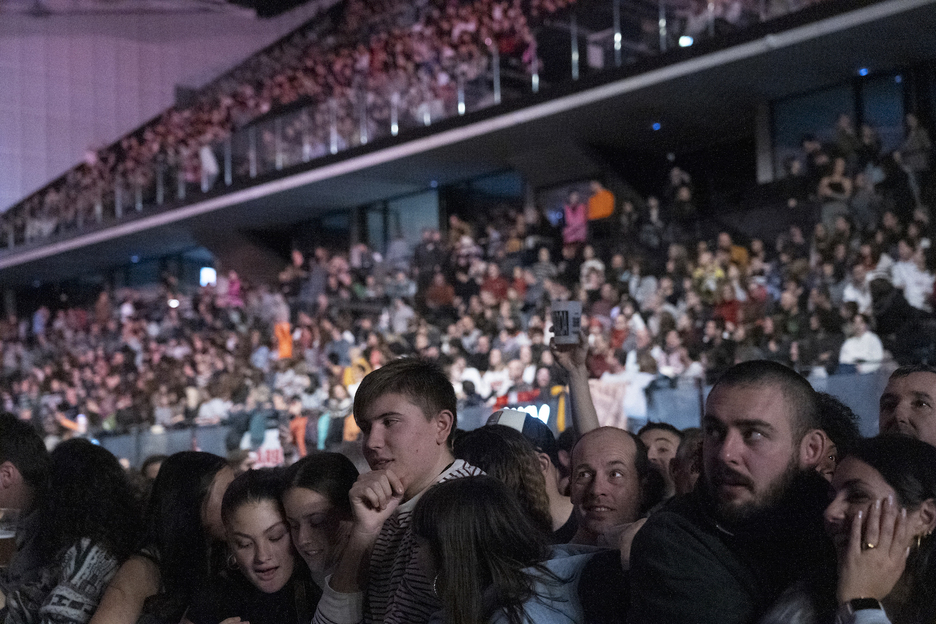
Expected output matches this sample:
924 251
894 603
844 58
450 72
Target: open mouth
266 574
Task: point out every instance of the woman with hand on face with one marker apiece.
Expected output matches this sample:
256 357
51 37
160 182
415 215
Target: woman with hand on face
182 542
882 520
264 583
318 510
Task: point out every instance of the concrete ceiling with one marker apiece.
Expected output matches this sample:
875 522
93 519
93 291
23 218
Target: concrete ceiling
699 100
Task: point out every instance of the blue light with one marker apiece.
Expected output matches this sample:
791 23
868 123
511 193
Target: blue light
898 78
134 259
863 71
657 126
433 183
685 41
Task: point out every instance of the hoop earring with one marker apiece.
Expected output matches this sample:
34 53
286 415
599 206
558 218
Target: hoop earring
231 561
435 586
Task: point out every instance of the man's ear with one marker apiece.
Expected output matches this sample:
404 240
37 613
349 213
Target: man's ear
544 462
445 421
812 448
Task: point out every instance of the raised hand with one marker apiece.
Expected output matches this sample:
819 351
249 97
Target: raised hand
374 497
876 554
573 356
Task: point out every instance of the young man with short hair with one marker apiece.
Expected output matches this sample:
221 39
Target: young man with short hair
406 411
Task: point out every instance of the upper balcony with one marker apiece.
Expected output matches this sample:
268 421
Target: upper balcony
374 101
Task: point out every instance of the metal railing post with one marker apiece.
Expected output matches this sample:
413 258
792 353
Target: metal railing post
252 150
395 114
228 160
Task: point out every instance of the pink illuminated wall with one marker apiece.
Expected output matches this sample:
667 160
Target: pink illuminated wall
70 82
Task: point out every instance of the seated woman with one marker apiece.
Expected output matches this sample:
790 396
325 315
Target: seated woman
89 519
489 562
264 584
182 542
318 510
882 520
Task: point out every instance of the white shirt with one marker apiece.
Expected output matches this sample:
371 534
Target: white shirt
866 347
917 285
860 296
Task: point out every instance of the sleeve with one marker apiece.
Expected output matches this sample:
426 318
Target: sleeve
339 608
73 597
678 576
865 616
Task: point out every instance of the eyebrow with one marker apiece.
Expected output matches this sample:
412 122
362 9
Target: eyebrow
747 422
264 532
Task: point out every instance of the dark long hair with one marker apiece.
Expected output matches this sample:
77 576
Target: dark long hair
909 466
174 533
505 454
329 474
89 496
484 545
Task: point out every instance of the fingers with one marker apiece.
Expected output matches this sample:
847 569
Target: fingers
888 518
872 532
898 545
854 537
373 490
395 484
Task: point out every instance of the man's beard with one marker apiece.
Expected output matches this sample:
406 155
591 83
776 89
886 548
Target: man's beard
733 513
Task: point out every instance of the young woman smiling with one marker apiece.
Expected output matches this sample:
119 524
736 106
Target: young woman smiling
264 585
318 509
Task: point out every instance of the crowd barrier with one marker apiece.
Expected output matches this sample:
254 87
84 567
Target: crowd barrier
680 406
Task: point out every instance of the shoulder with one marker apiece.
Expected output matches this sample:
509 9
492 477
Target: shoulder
139 575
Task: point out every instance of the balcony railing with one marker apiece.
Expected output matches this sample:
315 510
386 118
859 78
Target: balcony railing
366 114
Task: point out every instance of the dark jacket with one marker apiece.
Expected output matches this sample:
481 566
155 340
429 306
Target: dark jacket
686 568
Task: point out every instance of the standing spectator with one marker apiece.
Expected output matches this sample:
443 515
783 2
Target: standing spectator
575 218
914 154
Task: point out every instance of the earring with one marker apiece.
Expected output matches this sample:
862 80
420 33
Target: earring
231 561
435 586
919 539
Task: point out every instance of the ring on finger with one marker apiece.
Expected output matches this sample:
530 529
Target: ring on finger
869 546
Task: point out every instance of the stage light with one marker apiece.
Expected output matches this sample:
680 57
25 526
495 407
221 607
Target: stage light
685 41
863 71
207 276
656 126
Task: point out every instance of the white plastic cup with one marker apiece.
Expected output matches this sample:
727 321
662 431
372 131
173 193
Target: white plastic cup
567 321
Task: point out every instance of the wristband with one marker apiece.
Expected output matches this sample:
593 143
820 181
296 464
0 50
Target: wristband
847 610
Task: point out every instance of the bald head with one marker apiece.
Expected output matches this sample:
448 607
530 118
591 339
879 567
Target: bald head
609 473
